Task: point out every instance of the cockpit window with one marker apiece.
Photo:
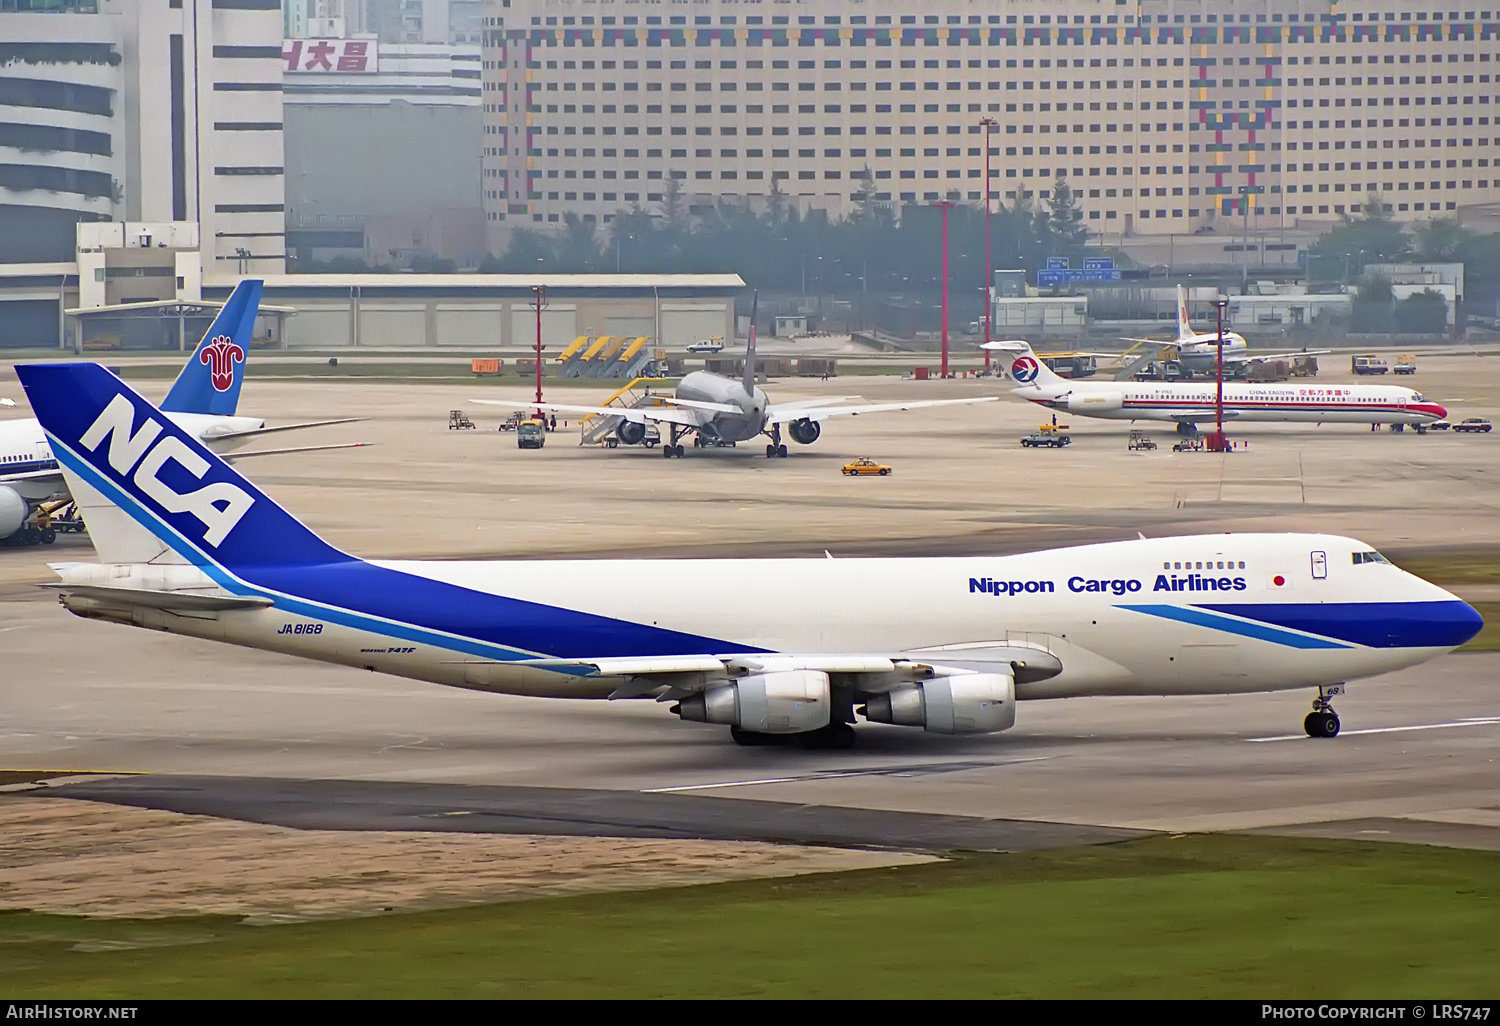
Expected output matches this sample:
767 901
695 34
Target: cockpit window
1369 557
1417 397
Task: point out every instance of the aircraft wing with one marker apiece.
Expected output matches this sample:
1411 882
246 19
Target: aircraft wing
255 432
636 414
819 401
33 475
786 414
170 600
1250 357
696 404
231 457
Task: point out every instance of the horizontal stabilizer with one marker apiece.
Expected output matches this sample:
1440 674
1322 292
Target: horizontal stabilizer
636 414
169 600
695 404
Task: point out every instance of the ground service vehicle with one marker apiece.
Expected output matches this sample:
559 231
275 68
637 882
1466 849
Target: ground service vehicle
864 467
531 434
1050 439
708 345
1473 424
1406 363
1139 440
1368 365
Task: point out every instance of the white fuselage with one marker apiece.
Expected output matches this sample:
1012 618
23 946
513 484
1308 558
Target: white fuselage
1120 618
1200 352
24 449
704 386
1196 402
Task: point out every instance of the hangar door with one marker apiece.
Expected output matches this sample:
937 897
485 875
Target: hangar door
559 326
682 324
315 327
391 324
471 325
630 327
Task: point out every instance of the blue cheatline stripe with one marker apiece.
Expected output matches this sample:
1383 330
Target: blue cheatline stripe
616 637
1258 631
1440 623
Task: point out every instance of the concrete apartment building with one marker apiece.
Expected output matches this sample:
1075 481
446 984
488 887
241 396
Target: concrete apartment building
142 111
1165 116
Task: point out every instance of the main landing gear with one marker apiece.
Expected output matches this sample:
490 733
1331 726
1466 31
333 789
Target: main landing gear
835 735
1323 721
1186 428
672 448
775 449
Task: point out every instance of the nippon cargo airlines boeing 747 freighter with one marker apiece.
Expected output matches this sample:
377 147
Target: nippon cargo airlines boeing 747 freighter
765 646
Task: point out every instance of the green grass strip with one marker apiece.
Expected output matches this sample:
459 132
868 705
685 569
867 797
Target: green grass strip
1196 916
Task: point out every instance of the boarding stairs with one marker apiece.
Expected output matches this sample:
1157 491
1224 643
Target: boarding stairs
596 427
607 356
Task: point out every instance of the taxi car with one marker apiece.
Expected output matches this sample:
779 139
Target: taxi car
864 466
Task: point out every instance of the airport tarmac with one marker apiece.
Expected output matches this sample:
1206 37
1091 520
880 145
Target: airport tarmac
1416 761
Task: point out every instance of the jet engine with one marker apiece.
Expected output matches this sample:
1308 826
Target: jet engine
630 433
1094 402
13 511
968 703
804 432
784 702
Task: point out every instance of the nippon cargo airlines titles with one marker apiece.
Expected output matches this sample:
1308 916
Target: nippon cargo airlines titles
1114 586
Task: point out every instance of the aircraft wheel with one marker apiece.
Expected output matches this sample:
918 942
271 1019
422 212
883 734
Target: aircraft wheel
770 451
48 536
667 452
30 535
781 451
1321 724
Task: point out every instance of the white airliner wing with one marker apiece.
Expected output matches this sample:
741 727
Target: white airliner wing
232 457
33 475
697 404
635 414
785 415
1246 357
212 436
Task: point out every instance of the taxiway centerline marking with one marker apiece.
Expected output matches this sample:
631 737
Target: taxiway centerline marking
1477 721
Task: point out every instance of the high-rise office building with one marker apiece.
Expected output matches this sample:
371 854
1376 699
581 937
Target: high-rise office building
143 111
1164 116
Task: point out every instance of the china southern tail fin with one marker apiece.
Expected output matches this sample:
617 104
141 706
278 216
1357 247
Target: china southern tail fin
210 381
1023 366
150 492
749 376
1184 326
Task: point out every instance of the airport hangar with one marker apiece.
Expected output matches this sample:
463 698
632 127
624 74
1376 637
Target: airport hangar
47 306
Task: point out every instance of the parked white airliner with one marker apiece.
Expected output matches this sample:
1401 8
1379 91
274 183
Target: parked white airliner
718 411
1198 351
1194 402
203 401
765 646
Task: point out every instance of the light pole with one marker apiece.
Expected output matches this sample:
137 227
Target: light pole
989 263
945 206
539 300
1217 442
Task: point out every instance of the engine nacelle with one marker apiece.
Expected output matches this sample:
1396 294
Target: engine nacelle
785 702
804 432
630 433
13 511
967 703
1095 402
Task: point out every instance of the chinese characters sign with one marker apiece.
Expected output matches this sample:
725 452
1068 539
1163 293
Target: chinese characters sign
330 56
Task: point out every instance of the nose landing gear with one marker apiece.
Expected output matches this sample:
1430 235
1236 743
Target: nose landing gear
775 449
1323 721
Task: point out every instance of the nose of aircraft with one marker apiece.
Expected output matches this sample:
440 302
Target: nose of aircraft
1440 411
1459 622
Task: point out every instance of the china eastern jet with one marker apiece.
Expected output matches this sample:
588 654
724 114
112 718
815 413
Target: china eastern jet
203 401
1198 351
720 411
770 648
1189 403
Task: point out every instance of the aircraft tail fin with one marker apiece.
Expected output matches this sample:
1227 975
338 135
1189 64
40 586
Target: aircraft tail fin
210 381
1021 364
1184 325
151 491
749 377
